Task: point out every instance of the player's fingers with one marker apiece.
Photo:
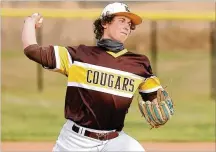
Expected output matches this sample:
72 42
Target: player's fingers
37 17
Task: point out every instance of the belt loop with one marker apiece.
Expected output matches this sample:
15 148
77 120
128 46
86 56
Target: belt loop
83 131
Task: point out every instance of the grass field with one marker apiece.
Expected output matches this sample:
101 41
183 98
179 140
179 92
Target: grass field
30 115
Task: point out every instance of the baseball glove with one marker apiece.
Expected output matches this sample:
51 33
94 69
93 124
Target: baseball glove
158 111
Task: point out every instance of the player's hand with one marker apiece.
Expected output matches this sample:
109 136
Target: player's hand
37 19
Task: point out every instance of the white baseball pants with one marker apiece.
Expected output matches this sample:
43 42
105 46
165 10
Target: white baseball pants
69 141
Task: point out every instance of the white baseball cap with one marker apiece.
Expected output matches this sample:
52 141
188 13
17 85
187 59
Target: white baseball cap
121 9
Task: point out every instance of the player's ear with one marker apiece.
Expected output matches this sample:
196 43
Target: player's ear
104 25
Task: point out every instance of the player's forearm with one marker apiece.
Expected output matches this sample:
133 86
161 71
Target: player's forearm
28 33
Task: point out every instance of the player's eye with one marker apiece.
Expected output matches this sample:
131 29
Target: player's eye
122 21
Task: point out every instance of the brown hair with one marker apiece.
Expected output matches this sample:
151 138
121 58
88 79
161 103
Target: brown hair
99 29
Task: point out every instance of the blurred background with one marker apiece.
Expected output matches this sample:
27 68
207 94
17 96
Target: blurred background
178 37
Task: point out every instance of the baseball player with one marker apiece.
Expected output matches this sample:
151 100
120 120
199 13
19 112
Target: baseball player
101 82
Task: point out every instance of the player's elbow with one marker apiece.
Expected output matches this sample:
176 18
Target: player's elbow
31 51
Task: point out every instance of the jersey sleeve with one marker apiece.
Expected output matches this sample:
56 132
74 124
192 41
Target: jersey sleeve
63 59
150 85
54 58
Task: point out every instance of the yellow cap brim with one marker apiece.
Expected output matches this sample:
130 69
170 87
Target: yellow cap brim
134 18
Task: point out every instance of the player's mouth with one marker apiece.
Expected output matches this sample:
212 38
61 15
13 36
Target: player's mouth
124 33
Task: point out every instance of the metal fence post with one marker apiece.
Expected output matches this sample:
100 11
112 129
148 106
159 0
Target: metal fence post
154 48
39 68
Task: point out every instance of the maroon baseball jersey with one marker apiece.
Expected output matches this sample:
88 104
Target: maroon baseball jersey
101 84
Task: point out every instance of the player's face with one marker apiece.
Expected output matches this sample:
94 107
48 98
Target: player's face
119 29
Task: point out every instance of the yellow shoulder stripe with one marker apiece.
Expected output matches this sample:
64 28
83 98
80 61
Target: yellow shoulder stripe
63 60
117 54
150 85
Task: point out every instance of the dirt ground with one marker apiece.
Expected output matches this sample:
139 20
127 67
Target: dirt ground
149 147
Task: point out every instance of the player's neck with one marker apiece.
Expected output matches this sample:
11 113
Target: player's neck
110 45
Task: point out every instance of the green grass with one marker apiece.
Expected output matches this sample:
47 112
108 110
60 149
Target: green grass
30 115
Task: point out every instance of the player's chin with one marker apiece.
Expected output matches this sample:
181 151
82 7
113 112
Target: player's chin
122 38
